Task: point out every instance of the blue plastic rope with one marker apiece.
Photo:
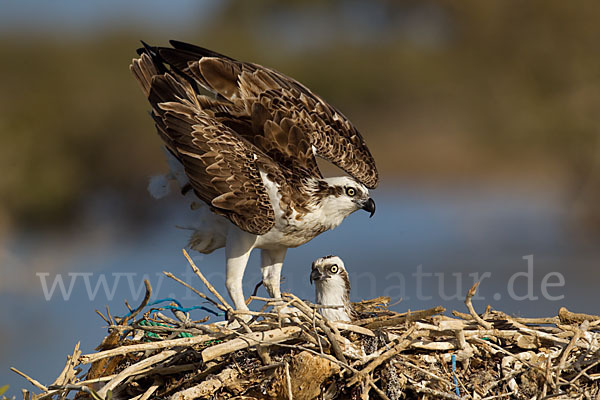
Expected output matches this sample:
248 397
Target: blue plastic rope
179 307
454 375
165 300
184 309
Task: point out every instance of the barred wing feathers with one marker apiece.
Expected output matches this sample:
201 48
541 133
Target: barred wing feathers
222 166
245 84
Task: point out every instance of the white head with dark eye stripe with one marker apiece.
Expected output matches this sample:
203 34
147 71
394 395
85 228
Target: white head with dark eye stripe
341 196
332 288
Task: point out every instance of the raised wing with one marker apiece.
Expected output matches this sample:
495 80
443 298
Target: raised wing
222 166
276 113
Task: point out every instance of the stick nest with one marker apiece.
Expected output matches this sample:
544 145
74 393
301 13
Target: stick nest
270 354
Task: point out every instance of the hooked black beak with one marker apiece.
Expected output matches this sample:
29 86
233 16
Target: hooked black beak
369 206
315 275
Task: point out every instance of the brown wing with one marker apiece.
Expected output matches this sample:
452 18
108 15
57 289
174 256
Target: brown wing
223 167
275 107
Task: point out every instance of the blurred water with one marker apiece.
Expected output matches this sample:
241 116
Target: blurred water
80 19
448 233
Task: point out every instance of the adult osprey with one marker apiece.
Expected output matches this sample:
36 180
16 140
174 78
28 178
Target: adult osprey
244 138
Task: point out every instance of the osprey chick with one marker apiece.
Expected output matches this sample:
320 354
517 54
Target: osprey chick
332 288
244 139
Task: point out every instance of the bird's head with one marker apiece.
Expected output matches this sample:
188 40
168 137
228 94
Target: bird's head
332 288
330 271
345 195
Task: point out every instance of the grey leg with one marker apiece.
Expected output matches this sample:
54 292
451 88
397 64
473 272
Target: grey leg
238 249
272 261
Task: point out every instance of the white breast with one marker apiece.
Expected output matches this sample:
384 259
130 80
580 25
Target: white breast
288 231
331 293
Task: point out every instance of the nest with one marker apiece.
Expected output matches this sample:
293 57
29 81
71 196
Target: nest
269 354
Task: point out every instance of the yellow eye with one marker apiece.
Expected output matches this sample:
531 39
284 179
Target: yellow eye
333 269
351 192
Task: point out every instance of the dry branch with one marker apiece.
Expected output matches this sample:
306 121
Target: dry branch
270 337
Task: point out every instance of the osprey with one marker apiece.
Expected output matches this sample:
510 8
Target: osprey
244 139
332 288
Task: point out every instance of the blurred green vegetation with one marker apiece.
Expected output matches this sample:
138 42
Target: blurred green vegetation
72 124
442 90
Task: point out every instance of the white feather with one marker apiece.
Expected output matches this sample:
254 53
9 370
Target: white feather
176 170
331 293
158 186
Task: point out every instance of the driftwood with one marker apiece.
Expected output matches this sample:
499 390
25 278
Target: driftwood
266 355
269 337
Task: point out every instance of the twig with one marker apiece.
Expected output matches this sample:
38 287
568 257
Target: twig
163 344
128 306
132 369
205 281
462 315
569 317
103 317
270 366
436 393
508 353
150 391
199 293
337 350
68 373
267 300
110 318
469 305
173 369
248 340
314 326
583 371
565 354
376 389
399 319
333 334
171 329
537 321
402 344
30 380
215 292
288 381
424 371
499 396
141 306
547 379
68 387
